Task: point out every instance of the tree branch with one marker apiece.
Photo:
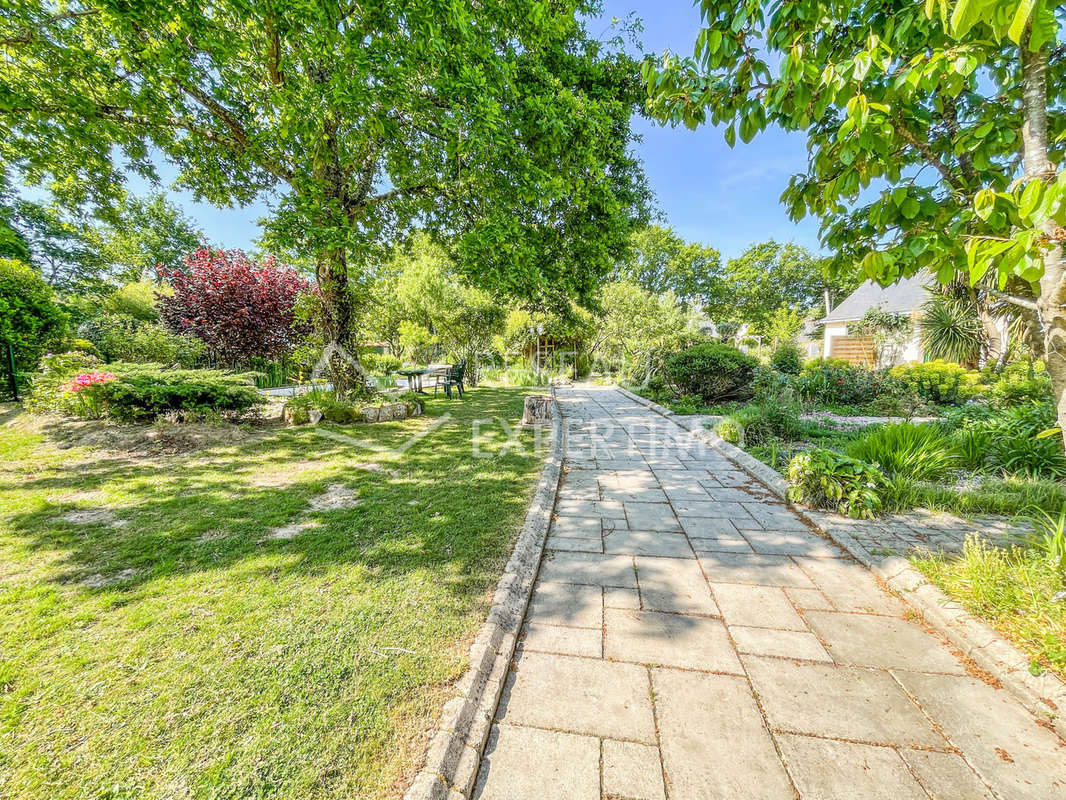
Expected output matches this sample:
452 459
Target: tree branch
1013 299
30 35
927 153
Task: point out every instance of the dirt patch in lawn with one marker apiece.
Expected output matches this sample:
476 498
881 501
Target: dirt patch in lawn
158 438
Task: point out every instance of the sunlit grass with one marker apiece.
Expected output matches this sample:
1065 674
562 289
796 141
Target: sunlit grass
1011 589
220 663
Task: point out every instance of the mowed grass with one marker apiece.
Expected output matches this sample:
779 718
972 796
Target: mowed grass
1012 590
217 663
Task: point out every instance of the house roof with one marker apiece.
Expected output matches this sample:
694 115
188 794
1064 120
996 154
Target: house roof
902 297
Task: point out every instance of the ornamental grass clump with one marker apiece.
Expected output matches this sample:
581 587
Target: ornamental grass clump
903 449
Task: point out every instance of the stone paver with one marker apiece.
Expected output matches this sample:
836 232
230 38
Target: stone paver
690 637
632 770
831 770
674 640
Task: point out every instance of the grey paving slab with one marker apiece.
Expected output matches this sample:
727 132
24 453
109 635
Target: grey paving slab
1018 759
713 509
758 606
569 604
784 644
721 544
708 526
808 599
617 597
579 695
672 584
839 702
647 543
829 770
574 545
600 509
526 762
589 568
564 641
775 517
632 770
651 517
875 641
850 586
674 640
790 543
692 491
753 569
713 740
577 527
945 776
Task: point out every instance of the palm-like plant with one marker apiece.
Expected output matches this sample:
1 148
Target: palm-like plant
951 329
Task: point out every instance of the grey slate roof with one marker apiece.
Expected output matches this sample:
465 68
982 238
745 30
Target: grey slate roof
903 296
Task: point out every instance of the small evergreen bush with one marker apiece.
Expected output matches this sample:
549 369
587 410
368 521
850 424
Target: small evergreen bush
713 372
787 358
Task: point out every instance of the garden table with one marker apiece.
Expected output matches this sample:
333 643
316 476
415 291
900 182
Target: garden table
416 374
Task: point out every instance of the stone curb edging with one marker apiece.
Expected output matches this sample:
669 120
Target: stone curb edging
454 752
1043 695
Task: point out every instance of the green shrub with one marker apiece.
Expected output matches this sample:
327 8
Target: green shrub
1007 441
918 452
144 391
939 382
833 381
46 386
380 363
30 319
771 386
134 299
333 408
787 358
713 372
1019 383
826 479
758 424
119 337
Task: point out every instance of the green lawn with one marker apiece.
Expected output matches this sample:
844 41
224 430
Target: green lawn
216 662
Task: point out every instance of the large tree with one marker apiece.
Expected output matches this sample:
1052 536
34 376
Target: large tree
935 132
661 261
502 122
770 276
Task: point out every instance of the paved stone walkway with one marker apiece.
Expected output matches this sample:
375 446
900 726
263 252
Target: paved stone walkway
689 637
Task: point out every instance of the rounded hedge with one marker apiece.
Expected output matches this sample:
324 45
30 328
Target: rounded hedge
30 319
714 372
787 358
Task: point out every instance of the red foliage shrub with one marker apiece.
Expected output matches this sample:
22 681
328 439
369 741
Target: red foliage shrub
239 308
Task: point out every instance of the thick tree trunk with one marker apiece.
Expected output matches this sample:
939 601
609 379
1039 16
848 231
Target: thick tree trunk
1051 321
341 356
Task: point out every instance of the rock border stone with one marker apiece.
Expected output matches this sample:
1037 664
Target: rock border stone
1043 695
454 752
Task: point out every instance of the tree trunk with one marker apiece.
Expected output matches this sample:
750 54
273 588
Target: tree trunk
341 355
1050 318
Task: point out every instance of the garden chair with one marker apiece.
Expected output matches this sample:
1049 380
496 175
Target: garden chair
453 376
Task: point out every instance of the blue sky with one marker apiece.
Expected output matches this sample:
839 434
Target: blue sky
725 198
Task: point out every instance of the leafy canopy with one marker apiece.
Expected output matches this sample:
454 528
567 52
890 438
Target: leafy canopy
662 261
911 113
503 123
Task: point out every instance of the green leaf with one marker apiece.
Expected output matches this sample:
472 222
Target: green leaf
984 203
1030 198
1021 18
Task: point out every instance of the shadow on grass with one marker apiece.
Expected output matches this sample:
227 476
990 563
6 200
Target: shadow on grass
435 507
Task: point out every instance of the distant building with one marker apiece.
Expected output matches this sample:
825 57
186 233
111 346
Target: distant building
905 296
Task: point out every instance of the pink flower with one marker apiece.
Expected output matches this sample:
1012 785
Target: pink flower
80 382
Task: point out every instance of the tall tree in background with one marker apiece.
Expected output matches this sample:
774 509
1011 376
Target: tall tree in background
502 123
770 276
662 261
955 108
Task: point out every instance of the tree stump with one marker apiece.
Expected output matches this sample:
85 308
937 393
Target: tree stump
537 409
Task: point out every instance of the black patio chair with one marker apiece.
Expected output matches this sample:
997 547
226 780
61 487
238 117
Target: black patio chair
453 376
